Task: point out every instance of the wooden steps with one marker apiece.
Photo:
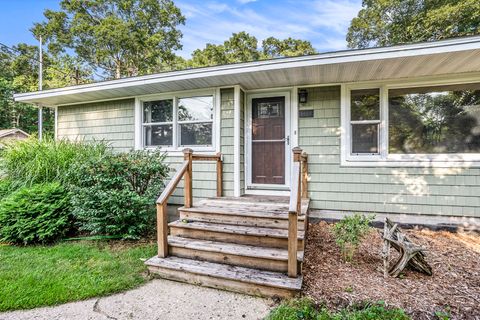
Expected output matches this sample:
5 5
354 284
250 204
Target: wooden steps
250 235
226 277
262 258
237 244
240 213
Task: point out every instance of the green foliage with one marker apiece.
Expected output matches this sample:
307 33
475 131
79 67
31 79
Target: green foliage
305 309
243 47
38 276
389 22
350 231
443 314
37 214
32 161
124 38
114 195
6 188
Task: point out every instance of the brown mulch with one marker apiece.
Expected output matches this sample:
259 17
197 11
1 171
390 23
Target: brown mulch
453 288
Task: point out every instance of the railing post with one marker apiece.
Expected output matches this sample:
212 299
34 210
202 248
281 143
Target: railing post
187 155
293 216
304 176
162 229
219 175
297 157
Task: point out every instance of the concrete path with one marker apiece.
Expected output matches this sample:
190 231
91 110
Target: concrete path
158 299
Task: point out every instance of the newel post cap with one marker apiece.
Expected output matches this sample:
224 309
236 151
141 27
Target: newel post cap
297 153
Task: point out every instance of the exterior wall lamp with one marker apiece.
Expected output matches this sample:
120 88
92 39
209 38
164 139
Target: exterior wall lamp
302 96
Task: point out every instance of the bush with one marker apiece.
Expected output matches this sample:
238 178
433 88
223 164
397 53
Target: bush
5 188
350 231
31 161
37 214
115 194
305 309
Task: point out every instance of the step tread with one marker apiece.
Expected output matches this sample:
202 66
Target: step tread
249 207
218 270
235 229
243 211
231 248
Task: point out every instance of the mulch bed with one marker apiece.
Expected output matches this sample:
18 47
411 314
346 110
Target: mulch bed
453 288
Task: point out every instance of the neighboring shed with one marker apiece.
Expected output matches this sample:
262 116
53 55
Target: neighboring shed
12 134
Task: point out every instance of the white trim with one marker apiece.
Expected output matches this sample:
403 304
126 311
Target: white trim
217 136
398 160
55 124
253 94
236 141
409 50
177 148
265 192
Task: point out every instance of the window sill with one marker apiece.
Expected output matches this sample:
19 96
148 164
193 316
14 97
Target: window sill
179 151
439 161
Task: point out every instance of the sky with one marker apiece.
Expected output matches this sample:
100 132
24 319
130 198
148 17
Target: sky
323 22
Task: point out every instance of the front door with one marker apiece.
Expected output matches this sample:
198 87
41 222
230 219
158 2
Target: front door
268 141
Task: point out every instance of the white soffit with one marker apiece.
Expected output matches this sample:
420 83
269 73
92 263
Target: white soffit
452 56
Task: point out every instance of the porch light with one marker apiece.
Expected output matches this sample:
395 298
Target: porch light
302 95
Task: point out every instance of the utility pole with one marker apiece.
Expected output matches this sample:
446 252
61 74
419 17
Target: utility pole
40 86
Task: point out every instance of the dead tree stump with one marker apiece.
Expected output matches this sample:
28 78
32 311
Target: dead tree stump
411 255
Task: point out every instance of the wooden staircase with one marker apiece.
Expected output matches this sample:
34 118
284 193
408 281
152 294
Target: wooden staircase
240 244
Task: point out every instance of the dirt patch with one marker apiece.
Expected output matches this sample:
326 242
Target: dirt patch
453 288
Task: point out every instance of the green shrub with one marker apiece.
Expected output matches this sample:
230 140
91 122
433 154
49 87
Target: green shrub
295 309
115 194
305 309
350 231
31 161
6 188
37 214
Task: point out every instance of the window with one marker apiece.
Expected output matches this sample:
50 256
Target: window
158 123
396 125
365 121
195 120
175 123
442 119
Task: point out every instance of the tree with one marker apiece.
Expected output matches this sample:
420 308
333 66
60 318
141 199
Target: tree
273 47
390 22
19 73
121 37
243 47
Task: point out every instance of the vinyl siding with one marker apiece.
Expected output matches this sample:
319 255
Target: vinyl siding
111 121
226 139
242 142
431 191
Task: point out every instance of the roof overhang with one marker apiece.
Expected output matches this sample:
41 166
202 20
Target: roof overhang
454 56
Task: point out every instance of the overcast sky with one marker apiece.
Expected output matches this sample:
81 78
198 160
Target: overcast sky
322 22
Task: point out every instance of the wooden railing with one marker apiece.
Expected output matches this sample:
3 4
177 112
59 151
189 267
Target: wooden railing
185 171
298 191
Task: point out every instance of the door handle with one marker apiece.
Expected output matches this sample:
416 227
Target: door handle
287 139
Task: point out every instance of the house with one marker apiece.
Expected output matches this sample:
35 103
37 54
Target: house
393 130
7 135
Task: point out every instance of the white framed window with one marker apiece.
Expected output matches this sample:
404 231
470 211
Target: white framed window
412 124
174 122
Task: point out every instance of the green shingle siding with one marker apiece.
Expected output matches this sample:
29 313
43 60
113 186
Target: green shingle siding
111 121
442 191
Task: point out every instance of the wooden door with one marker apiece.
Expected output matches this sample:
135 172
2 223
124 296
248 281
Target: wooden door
268 140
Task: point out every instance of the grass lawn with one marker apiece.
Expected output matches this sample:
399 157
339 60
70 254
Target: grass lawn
47 275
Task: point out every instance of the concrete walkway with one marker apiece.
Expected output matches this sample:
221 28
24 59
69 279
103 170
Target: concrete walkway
158 299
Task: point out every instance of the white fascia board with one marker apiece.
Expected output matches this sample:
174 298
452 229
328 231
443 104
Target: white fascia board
402 51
